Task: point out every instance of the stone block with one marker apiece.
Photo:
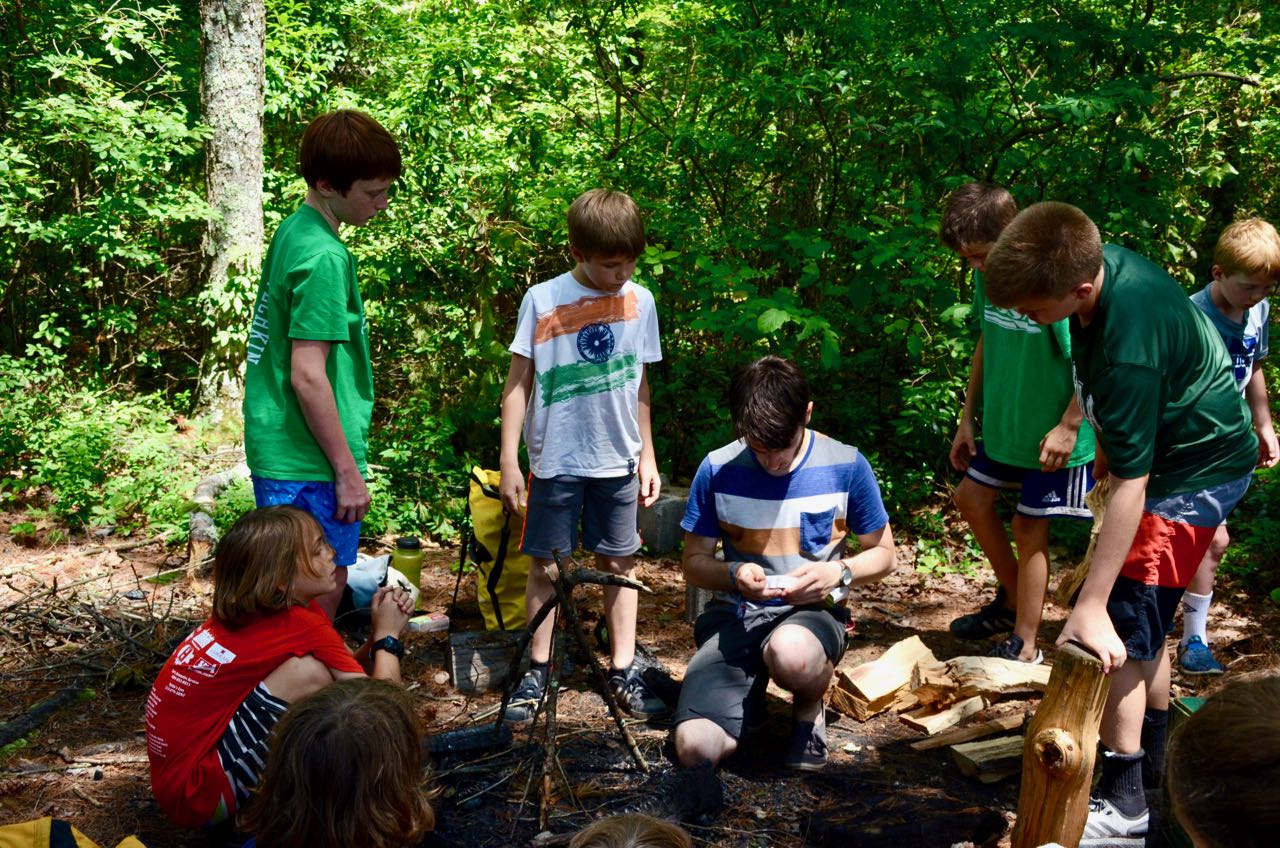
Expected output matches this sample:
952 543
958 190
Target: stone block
660 523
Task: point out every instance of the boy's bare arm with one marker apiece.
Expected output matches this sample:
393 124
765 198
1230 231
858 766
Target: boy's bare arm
1089 623
964 446
1058 443
650 482
702 569
1255 394
310 383
873 562
515 400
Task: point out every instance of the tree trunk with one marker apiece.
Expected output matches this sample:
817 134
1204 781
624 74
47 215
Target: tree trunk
233 34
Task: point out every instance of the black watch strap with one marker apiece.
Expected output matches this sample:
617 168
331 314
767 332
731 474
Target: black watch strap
390 644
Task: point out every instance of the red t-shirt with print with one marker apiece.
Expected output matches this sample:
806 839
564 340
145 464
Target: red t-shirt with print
203 684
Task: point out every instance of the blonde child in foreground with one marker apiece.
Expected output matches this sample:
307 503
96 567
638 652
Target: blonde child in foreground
632 831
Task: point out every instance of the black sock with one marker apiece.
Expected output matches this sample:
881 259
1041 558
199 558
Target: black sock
1121 782
1155 730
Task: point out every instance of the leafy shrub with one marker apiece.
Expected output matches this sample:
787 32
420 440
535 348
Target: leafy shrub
103 459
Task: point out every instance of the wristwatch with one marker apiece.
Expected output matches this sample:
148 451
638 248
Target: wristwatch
841 592
390 644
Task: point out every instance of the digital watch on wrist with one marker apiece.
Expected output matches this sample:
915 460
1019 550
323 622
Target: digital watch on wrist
390 644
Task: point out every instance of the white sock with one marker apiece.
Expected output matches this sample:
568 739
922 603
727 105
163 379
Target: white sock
1195 615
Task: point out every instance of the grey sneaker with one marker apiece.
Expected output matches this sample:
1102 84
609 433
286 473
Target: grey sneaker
1107 827
807 750
634 695
993 619
528 696
1011 649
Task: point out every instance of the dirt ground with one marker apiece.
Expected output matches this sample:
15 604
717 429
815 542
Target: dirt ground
106 628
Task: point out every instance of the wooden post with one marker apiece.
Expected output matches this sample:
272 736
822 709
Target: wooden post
1057 761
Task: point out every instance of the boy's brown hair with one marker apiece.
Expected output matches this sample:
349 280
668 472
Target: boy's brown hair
255 563
1044 253
344 769
1249 247
1223 765
605 223
976 213
344 146
768 401
632 831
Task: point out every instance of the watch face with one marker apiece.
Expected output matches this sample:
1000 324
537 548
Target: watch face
391 645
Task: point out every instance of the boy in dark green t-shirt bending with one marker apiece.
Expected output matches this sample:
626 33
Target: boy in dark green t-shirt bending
1175 436
308 393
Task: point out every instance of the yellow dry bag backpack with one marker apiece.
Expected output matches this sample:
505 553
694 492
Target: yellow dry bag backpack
494 549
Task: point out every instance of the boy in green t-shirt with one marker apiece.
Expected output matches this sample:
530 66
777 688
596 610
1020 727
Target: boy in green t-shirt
1034 440
1154 379
308 393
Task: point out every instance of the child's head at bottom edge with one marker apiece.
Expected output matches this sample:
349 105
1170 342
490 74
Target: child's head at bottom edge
271 558
344 768
1223 766
632 830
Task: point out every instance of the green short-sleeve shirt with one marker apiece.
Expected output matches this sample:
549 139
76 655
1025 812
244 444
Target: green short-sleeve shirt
1154 378
1026 384
308 292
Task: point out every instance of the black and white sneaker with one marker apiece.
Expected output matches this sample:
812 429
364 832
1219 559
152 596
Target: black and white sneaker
993 619
634 695
1107 827
1011 649
528 696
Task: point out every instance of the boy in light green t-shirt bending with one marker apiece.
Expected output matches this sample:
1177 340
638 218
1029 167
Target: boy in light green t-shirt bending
1034 440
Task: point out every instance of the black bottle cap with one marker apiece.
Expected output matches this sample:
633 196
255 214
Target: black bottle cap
408 542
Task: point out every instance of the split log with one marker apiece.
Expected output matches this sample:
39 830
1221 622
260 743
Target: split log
1013 721
989 760
935 722
1057 763
938 685
874 686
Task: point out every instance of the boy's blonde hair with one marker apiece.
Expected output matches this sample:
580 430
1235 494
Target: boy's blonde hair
1044 253
344 769
255 563
632 830
1249 247
605 223
976 213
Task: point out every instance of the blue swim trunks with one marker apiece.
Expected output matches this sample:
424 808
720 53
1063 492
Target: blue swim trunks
317 498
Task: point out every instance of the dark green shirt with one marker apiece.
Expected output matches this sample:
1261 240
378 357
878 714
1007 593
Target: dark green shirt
1152 377
308 292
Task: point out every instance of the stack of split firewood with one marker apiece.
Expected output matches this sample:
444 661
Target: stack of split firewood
933 697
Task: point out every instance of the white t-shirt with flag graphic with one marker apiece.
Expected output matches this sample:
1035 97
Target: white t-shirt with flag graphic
589 350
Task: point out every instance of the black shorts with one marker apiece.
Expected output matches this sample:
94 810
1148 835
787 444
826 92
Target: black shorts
729 665
1142 615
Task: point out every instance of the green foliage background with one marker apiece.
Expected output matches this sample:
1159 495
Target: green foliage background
791 158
